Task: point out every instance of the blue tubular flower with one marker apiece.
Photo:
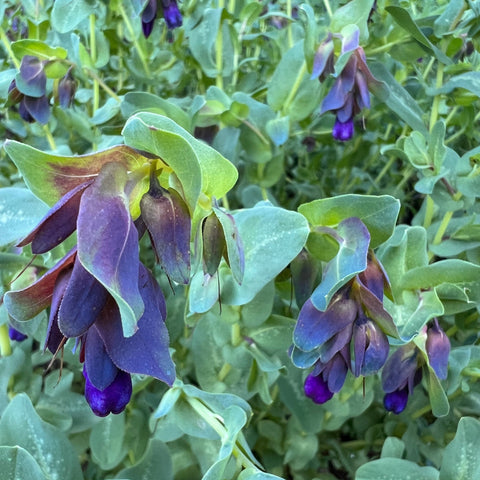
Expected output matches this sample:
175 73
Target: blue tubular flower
396 401
149 15
112 399
316 388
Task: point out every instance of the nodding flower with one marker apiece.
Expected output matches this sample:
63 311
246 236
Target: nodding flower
171 14
349 93
404 369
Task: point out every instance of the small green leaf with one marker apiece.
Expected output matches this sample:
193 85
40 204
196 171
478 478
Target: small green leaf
355 12
106 441
67 14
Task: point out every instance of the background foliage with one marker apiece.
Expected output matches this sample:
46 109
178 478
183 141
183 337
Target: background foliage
237 75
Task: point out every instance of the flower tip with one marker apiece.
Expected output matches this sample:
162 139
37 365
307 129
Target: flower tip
316 388
113 399
15 335
172 15
438 349
343 131
396 401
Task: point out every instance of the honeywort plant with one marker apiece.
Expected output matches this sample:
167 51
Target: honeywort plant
239 240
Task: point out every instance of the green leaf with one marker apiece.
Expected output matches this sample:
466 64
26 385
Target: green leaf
155 460
459 272
197 166
444 23
106 441
350 260
438 398
397 98
378 213
414 311
395 469
37 48
16 463
203 43
20 425
278 130
460 459
20 212
403 18
49 176
393 447
354 12
469 81
67 14
272 237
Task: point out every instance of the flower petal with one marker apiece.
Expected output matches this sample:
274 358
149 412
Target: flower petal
108 242
146 352
82 302
59 222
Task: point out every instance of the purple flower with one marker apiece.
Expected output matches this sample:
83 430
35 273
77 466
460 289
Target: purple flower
171 13
349 93
14 334
66 89
396 401
438 349
316 388
99 293
113 398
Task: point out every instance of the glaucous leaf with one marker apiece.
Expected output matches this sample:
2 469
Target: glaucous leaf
395 469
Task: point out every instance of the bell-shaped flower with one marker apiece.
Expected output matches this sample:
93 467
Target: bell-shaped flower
438 349
323 60
220 239
168 222
401 373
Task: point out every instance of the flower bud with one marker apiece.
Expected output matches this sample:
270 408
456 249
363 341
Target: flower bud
171 13
14 334
316 388
66 90
438 349
396 401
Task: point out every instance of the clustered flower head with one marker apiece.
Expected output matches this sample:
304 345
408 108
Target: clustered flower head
351 334
29 90
171 14
100 293
404 369
349 94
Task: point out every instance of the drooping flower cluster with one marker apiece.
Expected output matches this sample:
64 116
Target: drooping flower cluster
29 90
171 14
100 293
350 91
404 369
351 334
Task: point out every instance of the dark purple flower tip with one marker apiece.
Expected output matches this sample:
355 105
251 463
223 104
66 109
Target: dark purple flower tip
396 401
343 131
316 388
147 28
438 349
171 13
14 334
112 399
24 113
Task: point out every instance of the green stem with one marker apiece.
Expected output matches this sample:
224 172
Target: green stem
224 371
289 28
328 8
93 58
105 87
136 44
216 422
295 87
236 335
219 49
50 139
384 170
429 211
436 100
5 346
255 130
8 48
